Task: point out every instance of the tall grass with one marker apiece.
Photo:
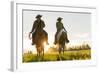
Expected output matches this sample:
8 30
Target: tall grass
82 52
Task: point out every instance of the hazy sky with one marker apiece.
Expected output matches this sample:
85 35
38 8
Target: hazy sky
78 25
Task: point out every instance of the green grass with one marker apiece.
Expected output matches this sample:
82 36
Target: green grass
68 55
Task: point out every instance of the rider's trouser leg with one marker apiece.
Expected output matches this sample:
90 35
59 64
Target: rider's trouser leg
33 38
55 39
66 38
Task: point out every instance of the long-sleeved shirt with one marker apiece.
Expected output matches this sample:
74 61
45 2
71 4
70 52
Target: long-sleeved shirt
38 25
59 26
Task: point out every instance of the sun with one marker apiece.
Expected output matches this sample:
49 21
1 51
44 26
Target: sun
46 47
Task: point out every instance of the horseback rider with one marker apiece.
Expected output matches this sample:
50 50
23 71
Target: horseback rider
60 27
37 25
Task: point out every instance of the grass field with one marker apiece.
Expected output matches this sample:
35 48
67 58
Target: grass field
68 55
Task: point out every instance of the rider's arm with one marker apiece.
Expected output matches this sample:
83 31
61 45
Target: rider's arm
33 27
57 26
64 28
43 24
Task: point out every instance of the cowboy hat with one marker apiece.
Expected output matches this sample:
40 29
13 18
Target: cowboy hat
39 16
59 18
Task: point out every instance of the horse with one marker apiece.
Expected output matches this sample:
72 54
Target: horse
40 38
61 40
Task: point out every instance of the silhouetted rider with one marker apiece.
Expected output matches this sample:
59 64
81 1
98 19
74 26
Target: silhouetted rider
59 26
37 25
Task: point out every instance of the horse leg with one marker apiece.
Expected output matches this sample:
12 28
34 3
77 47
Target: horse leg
42 54
37 54
63 49
43 51
60 53
37 47
37 51
59 49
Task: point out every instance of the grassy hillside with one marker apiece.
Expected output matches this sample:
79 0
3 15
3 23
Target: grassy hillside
68 55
